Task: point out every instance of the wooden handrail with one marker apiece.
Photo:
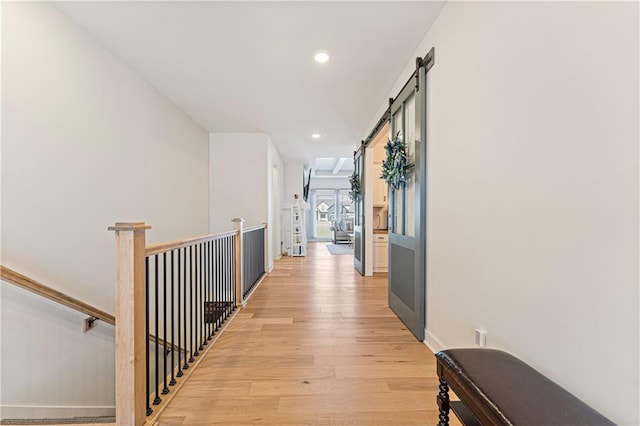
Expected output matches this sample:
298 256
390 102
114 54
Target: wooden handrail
172 245
29 284
40 289
253 228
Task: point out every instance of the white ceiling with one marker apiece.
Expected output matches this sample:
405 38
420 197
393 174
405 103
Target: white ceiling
248 66
332 167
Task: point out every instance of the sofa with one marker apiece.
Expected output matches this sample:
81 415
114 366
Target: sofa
340 230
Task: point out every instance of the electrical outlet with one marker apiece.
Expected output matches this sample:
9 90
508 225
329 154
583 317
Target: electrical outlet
481 337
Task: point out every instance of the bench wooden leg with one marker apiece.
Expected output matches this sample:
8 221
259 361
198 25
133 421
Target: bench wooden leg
443 403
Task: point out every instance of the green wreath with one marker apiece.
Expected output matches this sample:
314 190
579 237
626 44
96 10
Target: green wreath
355 192
394 167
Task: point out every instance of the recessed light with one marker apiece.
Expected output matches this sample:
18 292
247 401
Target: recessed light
321 56
316 135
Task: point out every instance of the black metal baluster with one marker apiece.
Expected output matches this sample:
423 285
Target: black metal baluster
225 274
214 283
185 322
212 293
249 275
172 382
207 297
228 274
199 284
196 303
243 287
165 390
233 271
219 285
196 289
146 346
191 266
210 304
203 285
247 263
179 373
228 270
234 277
157 400
199 301
201 305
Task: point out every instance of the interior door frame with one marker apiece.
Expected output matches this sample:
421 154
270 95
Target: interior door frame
359 219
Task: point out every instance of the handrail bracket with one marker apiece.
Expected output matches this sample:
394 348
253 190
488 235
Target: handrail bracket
89 323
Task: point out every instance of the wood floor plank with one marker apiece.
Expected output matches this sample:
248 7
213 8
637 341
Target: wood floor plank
317 387
354 402
318 345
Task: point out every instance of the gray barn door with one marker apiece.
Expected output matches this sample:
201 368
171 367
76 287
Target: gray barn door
358 222
407 218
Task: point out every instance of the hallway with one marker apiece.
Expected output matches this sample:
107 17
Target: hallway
317 345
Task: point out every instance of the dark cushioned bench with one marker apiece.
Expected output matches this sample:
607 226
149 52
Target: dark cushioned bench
496 388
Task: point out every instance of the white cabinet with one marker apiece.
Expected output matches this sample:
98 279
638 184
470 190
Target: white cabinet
298 237
379 187
295 235
380 252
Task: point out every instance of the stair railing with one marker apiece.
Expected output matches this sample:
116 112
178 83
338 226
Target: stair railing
183 291
254 253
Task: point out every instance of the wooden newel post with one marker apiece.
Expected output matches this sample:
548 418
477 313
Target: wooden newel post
130 323
238 222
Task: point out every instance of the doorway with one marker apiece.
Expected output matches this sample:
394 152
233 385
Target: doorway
328 206
376 205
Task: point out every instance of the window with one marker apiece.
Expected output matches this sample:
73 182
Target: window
328 205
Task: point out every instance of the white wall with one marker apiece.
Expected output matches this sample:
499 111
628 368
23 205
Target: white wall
533 189
36 333
239 183
275 193
293 175
85 143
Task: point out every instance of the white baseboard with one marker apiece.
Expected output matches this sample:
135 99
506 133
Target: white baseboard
432 342
54 412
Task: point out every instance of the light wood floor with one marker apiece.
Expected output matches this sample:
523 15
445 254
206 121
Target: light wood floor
315 345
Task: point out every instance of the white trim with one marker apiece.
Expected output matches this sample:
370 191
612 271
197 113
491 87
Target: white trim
432 342
55 412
